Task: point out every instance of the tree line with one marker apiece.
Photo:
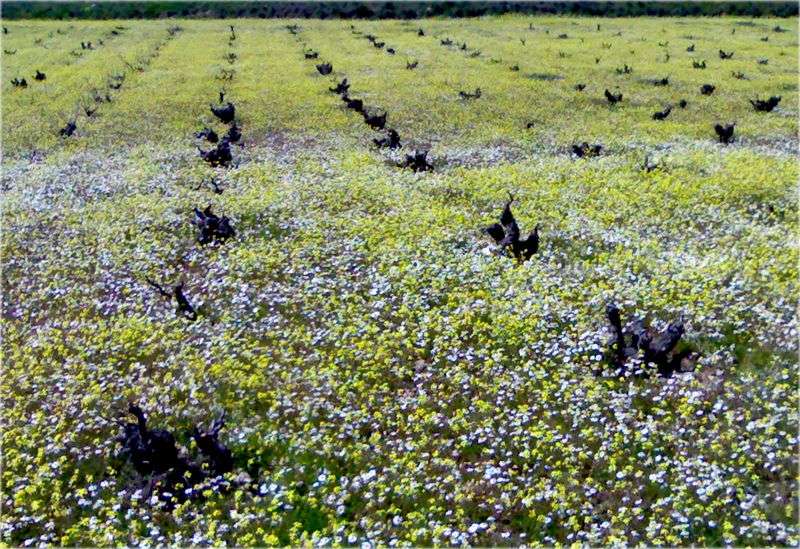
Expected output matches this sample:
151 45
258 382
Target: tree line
382 10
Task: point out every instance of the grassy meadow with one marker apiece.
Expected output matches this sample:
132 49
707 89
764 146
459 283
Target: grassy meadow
388 378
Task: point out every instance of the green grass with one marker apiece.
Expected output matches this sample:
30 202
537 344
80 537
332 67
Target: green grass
385 375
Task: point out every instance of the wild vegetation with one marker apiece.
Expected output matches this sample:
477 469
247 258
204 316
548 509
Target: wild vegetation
264 284
157 9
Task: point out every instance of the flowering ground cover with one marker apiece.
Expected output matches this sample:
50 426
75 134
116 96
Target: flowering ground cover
387 377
